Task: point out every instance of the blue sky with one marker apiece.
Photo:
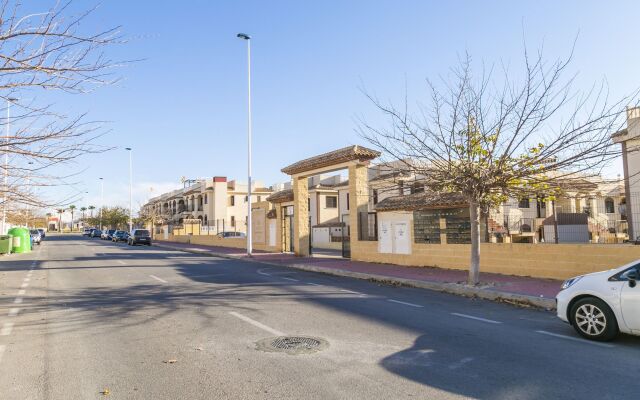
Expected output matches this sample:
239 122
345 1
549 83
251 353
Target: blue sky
183 107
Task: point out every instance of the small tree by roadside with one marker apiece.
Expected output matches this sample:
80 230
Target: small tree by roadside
72 209
490 139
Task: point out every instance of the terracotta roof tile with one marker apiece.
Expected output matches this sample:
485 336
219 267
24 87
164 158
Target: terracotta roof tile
422 201
345 154
281 196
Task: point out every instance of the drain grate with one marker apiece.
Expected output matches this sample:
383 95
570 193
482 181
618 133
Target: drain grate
292 344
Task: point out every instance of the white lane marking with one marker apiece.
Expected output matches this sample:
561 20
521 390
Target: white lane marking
575 339
24 284
490 321
256 323
14 311
21 292
158 279
314 284
263 273
290 279
460 363
349 291
6 329
18 300
2 347
405 303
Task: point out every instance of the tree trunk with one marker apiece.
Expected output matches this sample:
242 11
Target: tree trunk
474 266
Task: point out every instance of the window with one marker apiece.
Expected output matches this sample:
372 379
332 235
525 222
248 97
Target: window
401 188
246 199
259 199
523 203
232 200
347 201
375 196
205 199
331 202
417 188
233 221
609 208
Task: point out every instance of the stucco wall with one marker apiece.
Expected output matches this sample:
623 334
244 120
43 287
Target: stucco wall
238 243
555 261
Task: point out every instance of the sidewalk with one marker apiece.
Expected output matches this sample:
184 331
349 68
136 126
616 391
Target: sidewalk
523 290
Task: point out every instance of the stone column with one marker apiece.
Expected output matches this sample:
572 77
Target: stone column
278 208
301 216
358 199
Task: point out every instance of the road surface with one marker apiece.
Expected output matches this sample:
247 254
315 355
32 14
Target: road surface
87 319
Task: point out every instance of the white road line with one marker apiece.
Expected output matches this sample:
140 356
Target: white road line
263 273
314 284
575 339
18 300
405 303
290 279
349 291
13 311
476 318
158 279
21 292
256 323
6 329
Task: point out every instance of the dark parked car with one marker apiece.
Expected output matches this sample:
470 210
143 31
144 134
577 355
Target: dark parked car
43 233
120 236
139 236
95 233
108 234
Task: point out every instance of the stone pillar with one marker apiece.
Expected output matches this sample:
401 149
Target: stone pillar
279 233
301 216
358 199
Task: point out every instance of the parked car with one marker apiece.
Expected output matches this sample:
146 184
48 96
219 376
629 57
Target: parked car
36 238
228 235
601 304
87 231
120 236
95 233
139 236
107 234
43 233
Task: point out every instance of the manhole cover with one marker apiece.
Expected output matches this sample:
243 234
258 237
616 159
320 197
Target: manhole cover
293 344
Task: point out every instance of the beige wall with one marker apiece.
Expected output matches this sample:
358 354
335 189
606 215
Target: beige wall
555 261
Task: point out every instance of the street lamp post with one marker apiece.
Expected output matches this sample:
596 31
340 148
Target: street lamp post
247 38
6 167
101 200
130 189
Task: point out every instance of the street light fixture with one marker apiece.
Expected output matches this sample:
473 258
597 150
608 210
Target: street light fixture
247 38
6 166
130 189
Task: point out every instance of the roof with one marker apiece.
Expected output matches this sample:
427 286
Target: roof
390 175
422 201
281 196
345 154
620 133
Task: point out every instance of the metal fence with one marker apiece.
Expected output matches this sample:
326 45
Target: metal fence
594 220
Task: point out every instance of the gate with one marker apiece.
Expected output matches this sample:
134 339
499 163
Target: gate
346 239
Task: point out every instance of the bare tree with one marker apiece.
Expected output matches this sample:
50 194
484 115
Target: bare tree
44 51
490 137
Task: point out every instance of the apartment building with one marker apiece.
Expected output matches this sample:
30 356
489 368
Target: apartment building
218 204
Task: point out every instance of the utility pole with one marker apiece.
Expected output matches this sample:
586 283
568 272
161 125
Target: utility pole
247 38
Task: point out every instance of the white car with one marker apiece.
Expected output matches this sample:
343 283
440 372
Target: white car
601 304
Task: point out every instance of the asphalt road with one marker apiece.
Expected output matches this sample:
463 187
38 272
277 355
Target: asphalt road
82 316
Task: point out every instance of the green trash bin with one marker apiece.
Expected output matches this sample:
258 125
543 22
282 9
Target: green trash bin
5 244
21 239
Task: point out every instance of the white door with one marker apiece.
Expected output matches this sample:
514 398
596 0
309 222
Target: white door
401 241
272 232
630 303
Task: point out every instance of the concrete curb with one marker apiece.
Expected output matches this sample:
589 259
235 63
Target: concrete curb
452 288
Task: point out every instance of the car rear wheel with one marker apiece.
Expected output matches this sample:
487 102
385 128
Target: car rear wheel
593 319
